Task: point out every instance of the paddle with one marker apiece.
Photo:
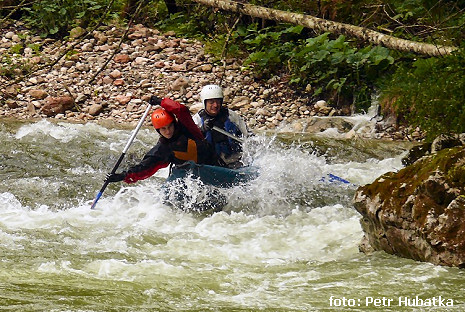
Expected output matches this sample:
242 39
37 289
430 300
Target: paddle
226 133
153 101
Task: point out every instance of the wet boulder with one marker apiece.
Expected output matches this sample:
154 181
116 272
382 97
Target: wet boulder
416 153
439 143
418 212
445 141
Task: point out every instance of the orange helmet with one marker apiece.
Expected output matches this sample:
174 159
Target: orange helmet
161 118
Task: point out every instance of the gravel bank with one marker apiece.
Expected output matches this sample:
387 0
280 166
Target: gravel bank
88 81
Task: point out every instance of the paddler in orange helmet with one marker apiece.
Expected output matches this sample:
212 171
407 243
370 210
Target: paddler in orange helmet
180 141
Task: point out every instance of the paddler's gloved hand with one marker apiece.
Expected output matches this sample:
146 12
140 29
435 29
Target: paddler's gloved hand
207 125
115 177
154 100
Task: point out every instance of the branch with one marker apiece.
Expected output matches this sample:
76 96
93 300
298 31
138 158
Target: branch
320 24
225 46
136 12
15 8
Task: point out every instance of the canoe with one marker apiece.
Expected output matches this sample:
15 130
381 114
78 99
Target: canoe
179 193
213 175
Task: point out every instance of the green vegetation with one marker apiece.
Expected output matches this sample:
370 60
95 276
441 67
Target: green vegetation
328 68
12 64
10 67
427 92
430 93
57 17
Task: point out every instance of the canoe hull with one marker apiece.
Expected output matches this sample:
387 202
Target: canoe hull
213 178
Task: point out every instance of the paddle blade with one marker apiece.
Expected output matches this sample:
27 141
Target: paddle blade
96 200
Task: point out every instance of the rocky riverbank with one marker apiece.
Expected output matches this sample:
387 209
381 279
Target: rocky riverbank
89 81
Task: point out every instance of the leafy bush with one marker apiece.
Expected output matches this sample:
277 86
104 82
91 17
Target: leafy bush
56 17
194 20
430 94
182 24
330 69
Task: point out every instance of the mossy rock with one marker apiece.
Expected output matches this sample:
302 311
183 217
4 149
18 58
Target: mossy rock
417 212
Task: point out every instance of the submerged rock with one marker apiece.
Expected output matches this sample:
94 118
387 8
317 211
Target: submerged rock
418 212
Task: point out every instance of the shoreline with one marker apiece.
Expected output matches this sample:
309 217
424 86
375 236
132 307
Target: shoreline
93 83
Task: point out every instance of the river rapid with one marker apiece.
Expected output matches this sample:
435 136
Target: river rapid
287 241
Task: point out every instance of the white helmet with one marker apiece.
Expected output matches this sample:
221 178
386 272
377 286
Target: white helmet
211 92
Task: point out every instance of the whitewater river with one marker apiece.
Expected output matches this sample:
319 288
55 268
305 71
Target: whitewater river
287 241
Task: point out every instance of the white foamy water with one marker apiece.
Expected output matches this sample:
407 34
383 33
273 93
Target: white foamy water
286 241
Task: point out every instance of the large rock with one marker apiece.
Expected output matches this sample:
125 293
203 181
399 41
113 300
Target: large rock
418 212
57 105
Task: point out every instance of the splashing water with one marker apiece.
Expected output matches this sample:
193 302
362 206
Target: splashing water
286 241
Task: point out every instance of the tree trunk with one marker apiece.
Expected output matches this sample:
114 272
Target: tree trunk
171 6
320 24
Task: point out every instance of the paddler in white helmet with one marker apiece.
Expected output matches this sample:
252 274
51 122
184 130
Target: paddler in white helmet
216 114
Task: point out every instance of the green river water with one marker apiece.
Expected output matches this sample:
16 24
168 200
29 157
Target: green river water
285 242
